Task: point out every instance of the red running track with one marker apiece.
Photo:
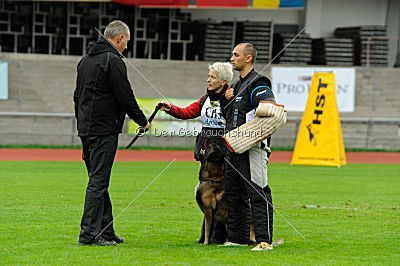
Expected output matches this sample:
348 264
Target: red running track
169 155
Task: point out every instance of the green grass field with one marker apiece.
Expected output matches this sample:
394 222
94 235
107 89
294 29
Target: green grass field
348 215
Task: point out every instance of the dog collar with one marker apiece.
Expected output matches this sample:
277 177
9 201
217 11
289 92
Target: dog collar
211 181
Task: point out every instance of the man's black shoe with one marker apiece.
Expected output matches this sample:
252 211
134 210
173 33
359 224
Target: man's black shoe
99 242
116 239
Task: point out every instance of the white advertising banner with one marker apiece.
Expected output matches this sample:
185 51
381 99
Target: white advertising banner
292 84
3 80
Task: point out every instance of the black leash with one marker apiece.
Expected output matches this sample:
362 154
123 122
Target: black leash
141 131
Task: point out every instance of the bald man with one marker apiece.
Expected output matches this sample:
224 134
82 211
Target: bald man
102 97
249 91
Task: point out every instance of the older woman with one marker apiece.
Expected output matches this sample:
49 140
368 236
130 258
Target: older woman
208 106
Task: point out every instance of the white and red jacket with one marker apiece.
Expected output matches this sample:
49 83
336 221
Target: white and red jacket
209 110
213 123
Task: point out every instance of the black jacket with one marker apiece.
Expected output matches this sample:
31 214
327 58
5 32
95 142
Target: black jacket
103 94
249 91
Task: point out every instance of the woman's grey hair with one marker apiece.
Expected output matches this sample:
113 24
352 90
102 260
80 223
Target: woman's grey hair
225 70
116 28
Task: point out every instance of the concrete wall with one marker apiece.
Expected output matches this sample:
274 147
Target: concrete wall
43 83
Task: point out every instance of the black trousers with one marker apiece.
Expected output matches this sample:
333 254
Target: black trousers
240 195
98 154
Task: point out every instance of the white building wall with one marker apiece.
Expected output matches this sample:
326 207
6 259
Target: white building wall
280 16
393 29
323 16
345 13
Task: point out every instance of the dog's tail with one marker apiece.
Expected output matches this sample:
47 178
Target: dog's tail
279 242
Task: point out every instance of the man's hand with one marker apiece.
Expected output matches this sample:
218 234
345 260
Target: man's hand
229 94
147 127
165 106
140 131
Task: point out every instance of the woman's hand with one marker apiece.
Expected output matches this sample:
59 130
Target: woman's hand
165 106
229 94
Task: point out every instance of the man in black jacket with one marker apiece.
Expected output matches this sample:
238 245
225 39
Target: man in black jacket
103 96
250 90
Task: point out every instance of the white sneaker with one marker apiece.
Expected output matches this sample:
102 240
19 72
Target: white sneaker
232 244
262 246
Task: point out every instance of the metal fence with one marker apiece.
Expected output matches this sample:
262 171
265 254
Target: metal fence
60 129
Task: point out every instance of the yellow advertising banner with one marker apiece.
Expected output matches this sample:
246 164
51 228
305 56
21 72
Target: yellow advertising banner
266 3
320 141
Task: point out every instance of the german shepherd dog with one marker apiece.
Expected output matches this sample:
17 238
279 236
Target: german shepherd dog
210 195
210 192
